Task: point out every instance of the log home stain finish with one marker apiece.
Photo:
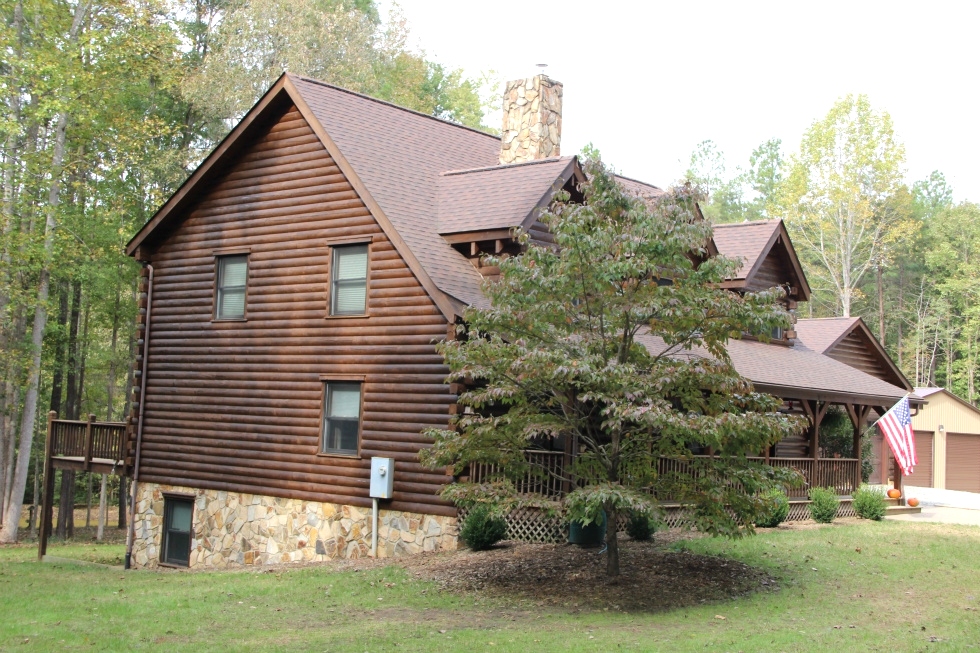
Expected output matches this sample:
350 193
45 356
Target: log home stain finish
237 405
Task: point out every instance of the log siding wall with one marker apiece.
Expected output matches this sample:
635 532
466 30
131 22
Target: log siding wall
236 405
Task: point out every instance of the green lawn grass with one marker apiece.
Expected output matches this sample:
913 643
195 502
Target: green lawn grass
911 587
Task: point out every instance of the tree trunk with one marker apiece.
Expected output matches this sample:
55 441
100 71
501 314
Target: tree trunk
38 466
111 380
58 373
612 541
72 402
100 532
12 515
13 509
66 506
881 307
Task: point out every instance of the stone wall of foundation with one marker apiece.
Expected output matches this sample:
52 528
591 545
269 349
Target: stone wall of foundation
532 120
232 529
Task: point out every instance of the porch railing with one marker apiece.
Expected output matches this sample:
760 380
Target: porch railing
545 476
88 440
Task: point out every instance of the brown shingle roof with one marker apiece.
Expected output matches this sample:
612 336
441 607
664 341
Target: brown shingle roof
499 197
797 373
821 333
744 240
641 188
399 155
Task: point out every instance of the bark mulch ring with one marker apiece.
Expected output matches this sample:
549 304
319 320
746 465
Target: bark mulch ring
651 578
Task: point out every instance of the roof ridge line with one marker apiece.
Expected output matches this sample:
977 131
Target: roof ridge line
392 105
637 181
502 166
743 223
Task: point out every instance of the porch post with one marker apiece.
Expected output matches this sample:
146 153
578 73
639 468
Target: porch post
859 417
815 412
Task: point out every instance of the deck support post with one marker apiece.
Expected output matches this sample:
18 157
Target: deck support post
46 506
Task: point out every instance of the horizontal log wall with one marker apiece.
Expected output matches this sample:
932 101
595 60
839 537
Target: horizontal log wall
235 405
853 350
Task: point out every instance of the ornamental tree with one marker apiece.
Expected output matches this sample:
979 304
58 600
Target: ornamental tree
612 344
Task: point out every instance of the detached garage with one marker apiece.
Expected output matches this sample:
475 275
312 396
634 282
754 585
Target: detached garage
947 442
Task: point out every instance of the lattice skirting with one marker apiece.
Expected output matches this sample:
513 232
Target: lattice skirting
536 525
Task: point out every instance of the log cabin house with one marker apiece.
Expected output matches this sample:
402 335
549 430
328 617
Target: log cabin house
292 293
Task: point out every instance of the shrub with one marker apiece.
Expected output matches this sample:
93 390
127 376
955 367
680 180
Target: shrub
776 511
482 528
823 504
869 503
640 527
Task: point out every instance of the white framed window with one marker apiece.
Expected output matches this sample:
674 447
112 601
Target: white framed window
232 279
341 418
348 280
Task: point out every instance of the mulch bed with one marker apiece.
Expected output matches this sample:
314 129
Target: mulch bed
652 579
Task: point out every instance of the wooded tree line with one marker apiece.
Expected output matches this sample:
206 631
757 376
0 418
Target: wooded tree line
107 105
904 257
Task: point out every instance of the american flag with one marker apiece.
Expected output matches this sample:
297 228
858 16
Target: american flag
896 427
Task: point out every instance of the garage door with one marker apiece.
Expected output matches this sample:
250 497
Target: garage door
963 462
922 476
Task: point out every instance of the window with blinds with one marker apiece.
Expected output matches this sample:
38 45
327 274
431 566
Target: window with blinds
232 278
348 292
342 418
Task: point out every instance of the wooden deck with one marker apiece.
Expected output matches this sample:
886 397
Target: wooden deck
546 477
89 446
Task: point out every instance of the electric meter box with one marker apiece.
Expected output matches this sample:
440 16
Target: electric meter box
382 477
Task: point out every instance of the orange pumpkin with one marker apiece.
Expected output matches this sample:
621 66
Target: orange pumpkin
894 493
913 502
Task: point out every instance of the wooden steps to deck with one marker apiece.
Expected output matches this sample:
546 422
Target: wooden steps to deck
893 507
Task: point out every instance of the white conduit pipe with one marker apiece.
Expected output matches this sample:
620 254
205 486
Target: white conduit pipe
374 529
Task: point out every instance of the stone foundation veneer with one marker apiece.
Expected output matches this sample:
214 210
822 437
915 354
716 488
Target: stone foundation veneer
233 529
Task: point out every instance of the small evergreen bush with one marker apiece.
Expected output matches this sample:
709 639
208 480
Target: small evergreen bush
777 509
823 504
640 527
869 503
482 528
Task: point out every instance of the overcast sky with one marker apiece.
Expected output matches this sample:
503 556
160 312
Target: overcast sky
647 81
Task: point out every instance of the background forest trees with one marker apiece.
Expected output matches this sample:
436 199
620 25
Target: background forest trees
904 258
105 107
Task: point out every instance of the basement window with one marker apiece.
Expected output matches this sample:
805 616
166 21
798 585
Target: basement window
229 300
341 418
177 517
348 287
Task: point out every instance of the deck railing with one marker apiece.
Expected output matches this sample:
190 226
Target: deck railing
545 476
88 440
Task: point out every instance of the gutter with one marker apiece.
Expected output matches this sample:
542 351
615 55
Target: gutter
130 535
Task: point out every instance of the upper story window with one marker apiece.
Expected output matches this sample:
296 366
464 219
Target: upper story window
341 418
230 296
348 286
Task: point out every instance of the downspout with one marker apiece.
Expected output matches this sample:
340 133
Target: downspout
130 535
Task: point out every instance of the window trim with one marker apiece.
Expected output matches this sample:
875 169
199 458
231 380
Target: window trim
331 280
325 383
218 257
168 502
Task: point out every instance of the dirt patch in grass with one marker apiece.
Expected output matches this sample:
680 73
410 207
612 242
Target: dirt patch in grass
652 578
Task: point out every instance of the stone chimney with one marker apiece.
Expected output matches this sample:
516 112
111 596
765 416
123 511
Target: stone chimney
532 120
